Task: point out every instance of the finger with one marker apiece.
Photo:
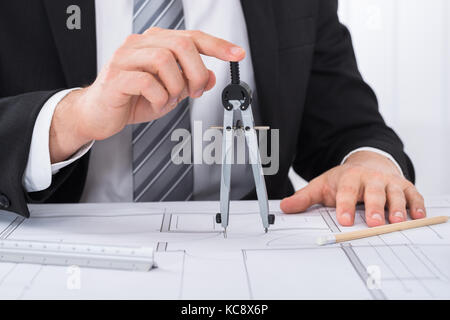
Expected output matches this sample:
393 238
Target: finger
157 61
205 43
187 55
346 198
187 46
303 198
374 201
191 63
415 202
171 104
216 47
396 203
211 82
138 83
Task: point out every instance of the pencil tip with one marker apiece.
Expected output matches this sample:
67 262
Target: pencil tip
328 239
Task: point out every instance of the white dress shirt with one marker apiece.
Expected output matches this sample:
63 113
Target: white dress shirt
109 176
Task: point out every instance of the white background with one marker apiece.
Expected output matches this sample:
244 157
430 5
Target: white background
403 52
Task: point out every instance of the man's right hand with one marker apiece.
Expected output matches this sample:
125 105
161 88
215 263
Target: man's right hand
146 78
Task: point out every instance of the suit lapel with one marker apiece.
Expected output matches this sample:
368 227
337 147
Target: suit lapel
77 47
263 41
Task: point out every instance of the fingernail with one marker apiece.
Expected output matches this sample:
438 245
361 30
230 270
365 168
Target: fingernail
399 214
236 51
420 212
346 218
377 216
173 101
397 217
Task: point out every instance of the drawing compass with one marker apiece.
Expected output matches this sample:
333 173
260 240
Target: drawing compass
238 96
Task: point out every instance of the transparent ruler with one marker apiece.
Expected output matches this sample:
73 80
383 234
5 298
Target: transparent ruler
82 255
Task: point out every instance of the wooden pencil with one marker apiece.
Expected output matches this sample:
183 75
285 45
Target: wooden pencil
375 231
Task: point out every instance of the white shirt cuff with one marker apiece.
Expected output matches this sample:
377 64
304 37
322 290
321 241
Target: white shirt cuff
380 152
39 170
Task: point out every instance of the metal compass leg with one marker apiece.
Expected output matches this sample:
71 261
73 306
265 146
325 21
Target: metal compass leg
227 159
255 161
238 96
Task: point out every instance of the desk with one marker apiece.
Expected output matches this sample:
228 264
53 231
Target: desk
196 262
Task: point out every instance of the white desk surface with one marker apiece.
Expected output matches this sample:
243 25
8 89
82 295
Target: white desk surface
196 262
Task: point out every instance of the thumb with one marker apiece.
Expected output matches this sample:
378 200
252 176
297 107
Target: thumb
303 198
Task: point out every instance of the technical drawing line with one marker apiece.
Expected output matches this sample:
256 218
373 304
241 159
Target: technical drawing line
7 227
358 266
287 236
433 264
329 221
371 245
161 247
13 226
196 231
376 294
182 275
29 285
404 235
413 251
435 232
402 279
291 248
388 265
429 227
410 278
249 285
436 207
165 225
407 267
106 215
297 228
190 231
363 217
7 274
356 263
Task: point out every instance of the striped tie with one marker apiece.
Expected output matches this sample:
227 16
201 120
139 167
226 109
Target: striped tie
155 176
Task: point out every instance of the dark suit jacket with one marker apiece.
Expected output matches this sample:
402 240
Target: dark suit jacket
306 75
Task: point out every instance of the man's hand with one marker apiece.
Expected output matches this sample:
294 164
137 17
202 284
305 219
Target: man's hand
146 78
365 177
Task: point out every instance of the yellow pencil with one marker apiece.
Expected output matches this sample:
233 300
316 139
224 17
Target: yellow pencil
375 231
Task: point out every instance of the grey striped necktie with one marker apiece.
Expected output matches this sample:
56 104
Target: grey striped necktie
155 176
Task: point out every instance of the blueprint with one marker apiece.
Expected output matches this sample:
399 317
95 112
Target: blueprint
194 261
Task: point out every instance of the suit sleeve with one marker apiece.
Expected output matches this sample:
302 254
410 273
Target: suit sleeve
18 115
341 110
39 169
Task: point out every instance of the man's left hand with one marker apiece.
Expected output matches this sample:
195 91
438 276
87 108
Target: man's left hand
364 177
